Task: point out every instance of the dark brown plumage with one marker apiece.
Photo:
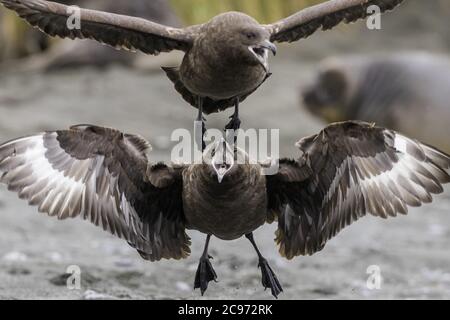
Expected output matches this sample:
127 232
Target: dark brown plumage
226 58
346 171
69 55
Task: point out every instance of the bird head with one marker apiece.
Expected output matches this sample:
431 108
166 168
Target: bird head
246 39
222 160
259 47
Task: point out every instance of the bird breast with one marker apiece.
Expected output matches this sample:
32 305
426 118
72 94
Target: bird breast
228 210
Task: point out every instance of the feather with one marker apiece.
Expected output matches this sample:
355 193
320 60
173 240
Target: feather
99 174
324 16
365 169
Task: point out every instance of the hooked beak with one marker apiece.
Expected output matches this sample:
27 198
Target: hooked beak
261 52
269 46
221 174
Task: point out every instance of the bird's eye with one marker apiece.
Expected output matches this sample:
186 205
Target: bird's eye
250 35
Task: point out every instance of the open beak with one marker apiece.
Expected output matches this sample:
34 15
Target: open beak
221 174
269 46
261 52
222 161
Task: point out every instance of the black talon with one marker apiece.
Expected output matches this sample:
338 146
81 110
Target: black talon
235 123
205 272
269 279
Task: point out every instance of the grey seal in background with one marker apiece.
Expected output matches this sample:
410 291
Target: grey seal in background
407 91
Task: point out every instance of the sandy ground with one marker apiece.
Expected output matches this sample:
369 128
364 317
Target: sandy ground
35 251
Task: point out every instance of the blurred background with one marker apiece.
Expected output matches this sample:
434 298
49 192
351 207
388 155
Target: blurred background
398 77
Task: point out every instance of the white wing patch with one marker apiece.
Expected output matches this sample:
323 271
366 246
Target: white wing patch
357 169
400 143
35 178
411 181
66 187
69 174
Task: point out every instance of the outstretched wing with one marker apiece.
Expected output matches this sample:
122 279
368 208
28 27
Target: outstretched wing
103 176
325 16
348 170
118 31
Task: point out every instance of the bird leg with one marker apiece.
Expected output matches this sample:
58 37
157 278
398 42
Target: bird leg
201 119
235 122
205 272
269 279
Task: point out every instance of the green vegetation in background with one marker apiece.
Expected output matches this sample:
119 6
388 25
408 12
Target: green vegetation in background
12 31
265 11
